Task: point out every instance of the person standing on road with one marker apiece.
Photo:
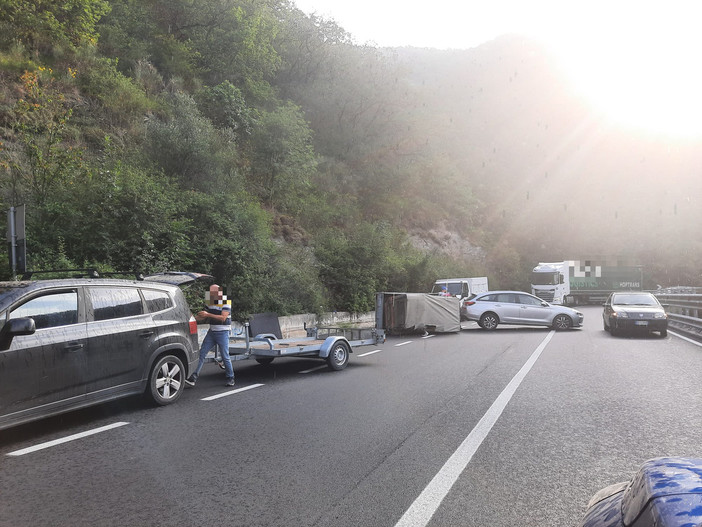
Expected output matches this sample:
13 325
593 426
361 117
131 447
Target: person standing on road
218 314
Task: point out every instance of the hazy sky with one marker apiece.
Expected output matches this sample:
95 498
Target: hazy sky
637 59
467 23
437 23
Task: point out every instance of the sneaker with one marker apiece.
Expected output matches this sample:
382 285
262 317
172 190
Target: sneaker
190 381
230 382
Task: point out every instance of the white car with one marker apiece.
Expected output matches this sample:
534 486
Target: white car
516 307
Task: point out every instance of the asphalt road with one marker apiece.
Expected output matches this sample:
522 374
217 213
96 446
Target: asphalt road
392 440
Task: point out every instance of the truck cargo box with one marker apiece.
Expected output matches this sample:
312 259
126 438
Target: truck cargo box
417 312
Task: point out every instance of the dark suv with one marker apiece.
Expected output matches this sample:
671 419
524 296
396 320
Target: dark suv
70 343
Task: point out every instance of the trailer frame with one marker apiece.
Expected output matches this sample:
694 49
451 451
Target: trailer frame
332 344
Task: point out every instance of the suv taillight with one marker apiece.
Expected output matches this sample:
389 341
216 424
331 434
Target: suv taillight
193 325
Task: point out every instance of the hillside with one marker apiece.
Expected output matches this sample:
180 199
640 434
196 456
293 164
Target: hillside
254 142
555 177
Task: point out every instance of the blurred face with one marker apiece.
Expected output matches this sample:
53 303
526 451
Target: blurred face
215 294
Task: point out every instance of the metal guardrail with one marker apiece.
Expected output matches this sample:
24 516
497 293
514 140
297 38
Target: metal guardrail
684 308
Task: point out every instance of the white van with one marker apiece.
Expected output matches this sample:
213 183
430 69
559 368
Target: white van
461 287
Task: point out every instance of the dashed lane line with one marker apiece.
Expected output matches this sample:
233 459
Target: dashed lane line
60 441
230 392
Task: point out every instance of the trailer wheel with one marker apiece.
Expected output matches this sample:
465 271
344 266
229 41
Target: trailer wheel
562 322
339 355
264 360
166 381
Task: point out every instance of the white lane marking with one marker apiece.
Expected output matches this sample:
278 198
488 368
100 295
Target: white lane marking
424 507
369 353
231 392
73 437
428 336
314 369
403 343
685 338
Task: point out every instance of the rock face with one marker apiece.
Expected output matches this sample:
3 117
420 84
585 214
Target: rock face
447 242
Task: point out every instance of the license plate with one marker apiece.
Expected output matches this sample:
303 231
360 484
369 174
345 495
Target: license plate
641 323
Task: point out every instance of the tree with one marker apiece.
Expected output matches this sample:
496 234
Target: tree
40 158
190 149
282 157
225 106
42 26
198 41
356 264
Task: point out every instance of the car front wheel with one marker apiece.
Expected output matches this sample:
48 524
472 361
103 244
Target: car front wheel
562 322
489 321
166 381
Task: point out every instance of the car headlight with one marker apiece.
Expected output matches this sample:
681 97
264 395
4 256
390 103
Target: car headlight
620 314
660 315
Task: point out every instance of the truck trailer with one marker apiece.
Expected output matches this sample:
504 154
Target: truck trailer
586 281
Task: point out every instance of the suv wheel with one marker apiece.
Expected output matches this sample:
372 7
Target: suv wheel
167 380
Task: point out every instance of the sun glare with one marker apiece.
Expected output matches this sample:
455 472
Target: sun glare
642 71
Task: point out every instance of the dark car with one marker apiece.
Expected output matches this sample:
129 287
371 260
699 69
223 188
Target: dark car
634 311
70 343
516 307
665 492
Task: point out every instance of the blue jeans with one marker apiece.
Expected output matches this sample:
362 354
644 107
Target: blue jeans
212 339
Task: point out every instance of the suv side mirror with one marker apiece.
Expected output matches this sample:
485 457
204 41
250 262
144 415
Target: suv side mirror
14 328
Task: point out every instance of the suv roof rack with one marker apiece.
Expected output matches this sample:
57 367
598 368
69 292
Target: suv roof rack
89 272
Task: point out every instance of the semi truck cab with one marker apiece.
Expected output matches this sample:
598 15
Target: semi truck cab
551 282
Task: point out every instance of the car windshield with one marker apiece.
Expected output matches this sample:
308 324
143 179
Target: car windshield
454 288
549 278
634 300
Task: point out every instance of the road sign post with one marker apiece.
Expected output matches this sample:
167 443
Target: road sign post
16 239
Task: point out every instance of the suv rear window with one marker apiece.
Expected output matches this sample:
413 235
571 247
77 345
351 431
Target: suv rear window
114 302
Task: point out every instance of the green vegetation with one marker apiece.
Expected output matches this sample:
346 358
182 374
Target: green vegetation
169 135
245 139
